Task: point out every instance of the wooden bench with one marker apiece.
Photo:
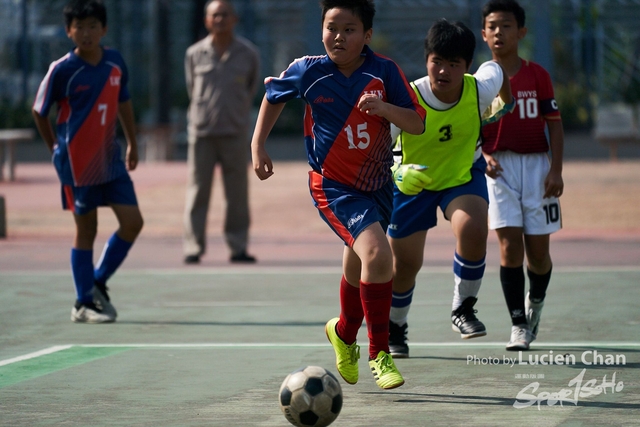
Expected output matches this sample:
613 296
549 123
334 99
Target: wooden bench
8 140
616 124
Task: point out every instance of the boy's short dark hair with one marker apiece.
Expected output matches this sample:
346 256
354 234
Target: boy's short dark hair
450 40
511 6
81 9
363 9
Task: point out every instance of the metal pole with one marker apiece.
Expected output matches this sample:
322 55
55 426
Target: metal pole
475 24
24 52
589 48
543 49
197 21
163 62
248 20
313 37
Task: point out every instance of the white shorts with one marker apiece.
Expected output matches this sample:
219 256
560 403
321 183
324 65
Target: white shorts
515 197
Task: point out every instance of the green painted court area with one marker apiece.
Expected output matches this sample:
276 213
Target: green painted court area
210 347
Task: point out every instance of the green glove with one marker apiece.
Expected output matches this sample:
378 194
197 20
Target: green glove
411 179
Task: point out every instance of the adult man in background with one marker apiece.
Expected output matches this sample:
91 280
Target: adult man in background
222 72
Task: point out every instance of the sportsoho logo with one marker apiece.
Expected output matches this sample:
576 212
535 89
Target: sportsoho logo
577 388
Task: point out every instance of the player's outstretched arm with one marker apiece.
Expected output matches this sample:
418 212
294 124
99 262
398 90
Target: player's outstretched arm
405 118
494 81
267 117
45 129
505 90
127 120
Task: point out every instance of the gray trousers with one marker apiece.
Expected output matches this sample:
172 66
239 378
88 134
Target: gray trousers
204 153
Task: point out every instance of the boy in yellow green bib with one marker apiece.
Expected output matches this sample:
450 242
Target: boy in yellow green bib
444 168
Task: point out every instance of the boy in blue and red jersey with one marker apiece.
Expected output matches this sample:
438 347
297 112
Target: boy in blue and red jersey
524 181
89 87
352 96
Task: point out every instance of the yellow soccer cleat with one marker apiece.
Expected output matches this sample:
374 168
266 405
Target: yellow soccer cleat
346 355
385 372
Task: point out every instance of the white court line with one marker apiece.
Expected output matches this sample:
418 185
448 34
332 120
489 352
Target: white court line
250 271
258 271
54 349
206 271
326 344
188 304
244 271
33 355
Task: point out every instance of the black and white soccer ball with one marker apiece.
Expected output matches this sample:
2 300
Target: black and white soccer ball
310 396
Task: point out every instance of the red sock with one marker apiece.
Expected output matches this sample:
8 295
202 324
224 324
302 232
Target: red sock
351 313
376 300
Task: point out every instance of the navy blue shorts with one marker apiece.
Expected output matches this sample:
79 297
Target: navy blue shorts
349 211
82 200
418 213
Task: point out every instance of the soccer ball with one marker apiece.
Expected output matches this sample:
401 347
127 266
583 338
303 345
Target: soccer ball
310 396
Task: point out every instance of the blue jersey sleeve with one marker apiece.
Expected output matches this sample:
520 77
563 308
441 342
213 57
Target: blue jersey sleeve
49 91
287 86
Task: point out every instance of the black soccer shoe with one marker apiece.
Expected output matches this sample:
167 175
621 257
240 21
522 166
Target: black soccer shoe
101 299
102 287
242 257
398 347
464 320
192 259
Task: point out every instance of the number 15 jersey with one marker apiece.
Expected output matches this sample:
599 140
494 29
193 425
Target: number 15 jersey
343 143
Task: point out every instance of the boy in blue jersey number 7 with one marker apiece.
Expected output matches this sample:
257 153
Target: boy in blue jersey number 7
454 181
89 87
352 96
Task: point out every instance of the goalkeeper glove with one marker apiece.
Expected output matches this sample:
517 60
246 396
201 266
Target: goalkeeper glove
411 179
497 109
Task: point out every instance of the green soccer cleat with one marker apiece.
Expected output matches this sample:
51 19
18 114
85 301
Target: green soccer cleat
346 355
385 372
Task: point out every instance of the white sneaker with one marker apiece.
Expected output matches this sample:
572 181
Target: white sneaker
102 301
533 311
520 338
89 313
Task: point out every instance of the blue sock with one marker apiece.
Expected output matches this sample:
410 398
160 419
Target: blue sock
114 252
82 269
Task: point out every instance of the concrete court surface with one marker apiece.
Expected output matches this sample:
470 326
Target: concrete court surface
211 347
210 344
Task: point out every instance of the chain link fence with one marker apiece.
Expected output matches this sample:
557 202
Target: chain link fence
591 47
